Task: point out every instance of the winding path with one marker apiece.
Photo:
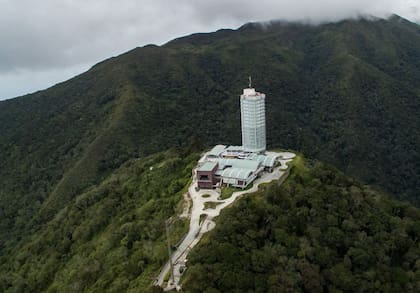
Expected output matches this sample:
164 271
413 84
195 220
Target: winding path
197 229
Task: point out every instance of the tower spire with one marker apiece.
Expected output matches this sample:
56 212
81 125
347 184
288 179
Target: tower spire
250 82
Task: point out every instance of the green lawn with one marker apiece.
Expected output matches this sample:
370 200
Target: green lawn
202 218
211 204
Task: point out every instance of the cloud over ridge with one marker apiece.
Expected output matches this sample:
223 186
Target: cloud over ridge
57 35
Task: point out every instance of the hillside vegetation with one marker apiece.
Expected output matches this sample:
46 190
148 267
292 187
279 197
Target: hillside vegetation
111 237
347 93
320 231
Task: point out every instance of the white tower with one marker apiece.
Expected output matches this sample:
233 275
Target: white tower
253 120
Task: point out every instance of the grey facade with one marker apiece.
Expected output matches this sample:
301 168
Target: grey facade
253 121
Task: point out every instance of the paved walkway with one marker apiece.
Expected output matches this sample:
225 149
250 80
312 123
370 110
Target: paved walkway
197 229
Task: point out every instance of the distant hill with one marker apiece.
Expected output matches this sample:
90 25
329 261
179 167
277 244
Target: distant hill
347 93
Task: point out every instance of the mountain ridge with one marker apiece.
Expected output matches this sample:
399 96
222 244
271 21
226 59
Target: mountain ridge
344 93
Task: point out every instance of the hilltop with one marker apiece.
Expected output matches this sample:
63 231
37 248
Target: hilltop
320 231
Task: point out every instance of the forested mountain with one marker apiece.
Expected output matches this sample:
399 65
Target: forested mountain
347 93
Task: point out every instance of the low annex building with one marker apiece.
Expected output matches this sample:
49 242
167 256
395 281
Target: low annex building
232 166
239 172
206 175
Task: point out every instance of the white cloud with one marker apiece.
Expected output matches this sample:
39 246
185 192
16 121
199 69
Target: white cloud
41 37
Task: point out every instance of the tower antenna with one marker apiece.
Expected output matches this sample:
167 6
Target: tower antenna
250 82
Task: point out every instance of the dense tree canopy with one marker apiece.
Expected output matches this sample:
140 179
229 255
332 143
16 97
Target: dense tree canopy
111 237
318 232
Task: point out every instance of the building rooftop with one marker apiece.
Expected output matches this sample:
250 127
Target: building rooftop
265 160
236 173
250 92
238 163
234 148
207 166
217 150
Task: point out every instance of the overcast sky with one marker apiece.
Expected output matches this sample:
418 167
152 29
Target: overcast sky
47 41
